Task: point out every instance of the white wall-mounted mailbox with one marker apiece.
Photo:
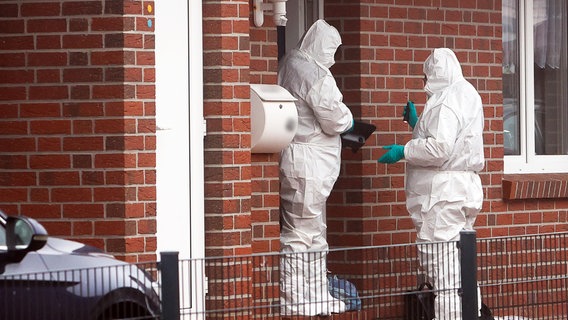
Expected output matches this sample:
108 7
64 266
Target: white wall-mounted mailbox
274 118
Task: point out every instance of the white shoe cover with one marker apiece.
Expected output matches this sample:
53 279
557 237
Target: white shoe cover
334 306
322 308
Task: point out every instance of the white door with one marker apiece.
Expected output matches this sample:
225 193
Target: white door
180 131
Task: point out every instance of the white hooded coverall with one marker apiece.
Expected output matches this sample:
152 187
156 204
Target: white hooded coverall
443 190
309 167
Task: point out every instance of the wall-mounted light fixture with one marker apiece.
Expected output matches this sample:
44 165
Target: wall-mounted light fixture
276 7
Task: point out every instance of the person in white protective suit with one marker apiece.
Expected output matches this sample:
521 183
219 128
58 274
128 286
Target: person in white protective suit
309 167
443 188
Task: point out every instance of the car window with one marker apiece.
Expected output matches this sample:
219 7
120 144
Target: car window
23 234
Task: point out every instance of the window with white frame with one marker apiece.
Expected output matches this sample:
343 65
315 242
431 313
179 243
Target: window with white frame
535 86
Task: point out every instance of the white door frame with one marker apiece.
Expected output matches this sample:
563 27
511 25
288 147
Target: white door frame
179 123
299 21
179 135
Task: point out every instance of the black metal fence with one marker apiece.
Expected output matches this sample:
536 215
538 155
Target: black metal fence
519 278
525 276
123 291
372 283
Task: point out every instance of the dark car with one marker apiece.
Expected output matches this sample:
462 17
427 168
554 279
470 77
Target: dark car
43 277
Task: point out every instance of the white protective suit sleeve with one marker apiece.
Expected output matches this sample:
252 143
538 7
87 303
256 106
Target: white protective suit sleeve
441 125
332 114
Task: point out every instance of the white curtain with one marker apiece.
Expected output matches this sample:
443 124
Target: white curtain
549 18
510 34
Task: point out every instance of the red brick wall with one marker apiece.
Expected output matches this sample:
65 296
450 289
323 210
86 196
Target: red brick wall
77 142
265 211
241 188
241 202
228 170
226 55
385 45
380 67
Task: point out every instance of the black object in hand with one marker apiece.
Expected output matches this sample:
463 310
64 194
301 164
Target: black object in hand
356 138
406 114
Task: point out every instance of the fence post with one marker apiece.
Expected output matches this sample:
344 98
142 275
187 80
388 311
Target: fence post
468 252
169 267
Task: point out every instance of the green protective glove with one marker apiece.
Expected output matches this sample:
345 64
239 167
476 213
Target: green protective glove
394 154
410 114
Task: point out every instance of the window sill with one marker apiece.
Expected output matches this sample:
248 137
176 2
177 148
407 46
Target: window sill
535 186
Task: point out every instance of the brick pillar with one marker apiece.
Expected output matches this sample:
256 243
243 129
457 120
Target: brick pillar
265 212
349 210
227 146
77 126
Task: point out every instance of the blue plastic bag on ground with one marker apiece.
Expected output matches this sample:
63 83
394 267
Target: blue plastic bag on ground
345 291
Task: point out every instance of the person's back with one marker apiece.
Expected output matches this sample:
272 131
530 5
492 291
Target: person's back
304 72
300 74
468 154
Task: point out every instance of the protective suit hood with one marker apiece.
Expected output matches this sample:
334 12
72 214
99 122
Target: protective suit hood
321 42
442 69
